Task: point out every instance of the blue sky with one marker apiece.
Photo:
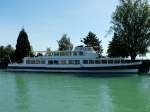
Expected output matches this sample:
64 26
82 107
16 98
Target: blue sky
46 21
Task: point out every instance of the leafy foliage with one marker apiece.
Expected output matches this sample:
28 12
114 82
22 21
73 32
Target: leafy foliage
23 47
117 48
64 43
131 22
7 52
92 41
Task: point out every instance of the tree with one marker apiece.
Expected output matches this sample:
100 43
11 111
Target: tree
32 53
131 22
64 43
39 54
91 40
1 51
7 53
117 48
23 47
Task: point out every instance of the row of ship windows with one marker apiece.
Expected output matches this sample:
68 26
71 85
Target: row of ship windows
75 61
35 61
53 62
102 61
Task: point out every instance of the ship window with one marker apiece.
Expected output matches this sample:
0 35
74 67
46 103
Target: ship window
27 61
81 48
117 61
127 61
77 61
50 61
63 62
80 53
85 61
32 61
68 53
56 62
91 61
42 62
37 62
90 49
97 62
71 61
110 61
62 54
56 53
74 53
122 61
104 61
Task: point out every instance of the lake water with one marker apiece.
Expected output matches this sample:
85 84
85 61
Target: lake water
37 92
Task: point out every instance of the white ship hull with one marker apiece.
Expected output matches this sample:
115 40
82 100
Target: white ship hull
103 68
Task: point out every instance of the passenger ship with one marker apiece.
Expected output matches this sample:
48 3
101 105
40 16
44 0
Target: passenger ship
81 60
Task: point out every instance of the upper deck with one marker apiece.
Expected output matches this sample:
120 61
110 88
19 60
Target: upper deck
80 55
79 52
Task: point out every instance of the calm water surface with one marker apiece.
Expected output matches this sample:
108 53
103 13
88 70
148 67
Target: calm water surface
37 92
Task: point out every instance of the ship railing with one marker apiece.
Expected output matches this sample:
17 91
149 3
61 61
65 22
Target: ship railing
60 53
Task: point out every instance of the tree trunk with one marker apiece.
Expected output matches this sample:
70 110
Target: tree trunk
133 56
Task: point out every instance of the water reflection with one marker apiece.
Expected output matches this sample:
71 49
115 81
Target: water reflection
144 89
62 93
7 92
92 95
70 93
127 96
105 98
21 94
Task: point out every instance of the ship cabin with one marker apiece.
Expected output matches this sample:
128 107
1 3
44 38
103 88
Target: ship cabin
79 56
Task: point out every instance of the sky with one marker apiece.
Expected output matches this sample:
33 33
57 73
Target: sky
45 21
